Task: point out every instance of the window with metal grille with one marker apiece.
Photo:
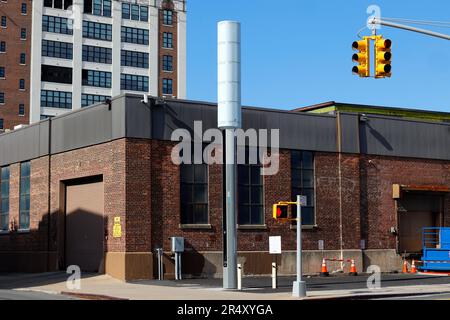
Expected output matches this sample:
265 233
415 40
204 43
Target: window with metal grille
302 183
168 17
135 35
96 78
56 49
167 86
194 193
97 54
167 63
96 30
250 192
56 99
24 202
133 82
4 204
134 59
167 40
90 99
57 25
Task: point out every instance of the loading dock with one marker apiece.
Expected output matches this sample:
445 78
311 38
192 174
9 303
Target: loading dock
418 207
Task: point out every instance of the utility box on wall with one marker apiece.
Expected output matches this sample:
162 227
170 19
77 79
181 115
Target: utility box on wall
177 244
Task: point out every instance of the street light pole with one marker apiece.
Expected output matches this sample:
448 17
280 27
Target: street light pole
299 287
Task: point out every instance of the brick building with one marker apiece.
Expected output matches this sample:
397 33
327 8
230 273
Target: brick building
97 187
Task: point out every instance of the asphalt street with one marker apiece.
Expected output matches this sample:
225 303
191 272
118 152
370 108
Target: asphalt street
30 295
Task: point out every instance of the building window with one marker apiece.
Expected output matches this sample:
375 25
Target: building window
144 14
168 17
3 22
133 82
57 25
23 9
2 72
56 99
167 86
4 207
22 84
24 203
56 49
95 30
56 74
58 4
2 46
167 40
98 7
167 63
302 183
2 97
135 35
1 124
95 78
97 54
90 99
194 193
23 34
125 11
134 59
21 109
250 193
23 58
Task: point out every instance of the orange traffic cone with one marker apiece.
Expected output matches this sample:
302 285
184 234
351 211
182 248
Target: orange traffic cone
324 270
353 269
405 267
413 267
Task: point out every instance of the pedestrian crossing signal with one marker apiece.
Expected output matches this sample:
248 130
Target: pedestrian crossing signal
281 211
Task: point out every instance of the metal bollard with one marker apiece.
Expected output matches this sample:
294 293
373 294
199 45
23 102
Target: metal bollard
274 275
160 263
239 276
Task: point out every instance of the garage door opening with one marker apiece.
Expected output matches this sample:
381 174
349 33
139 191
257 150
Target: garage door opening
417 211
84 224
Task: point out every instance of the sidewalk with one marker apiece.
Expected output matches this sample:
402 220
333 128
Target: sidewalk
104 287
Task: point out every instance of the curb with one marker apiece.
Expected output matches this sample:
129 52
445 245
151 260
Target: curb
90 296
379 296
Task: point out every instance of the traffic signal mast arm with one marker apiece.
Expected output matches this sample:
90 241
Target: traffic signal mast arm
382 22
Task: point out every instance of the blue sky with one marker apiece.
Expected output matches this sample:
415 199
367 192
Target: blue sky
297 53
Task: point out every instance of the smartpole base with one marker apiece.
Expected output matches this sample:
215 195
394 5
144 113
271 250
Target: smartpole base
299 289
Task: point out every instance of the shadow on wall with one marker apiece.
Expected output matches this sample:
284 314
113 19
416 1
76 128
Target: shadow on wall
49 253
193 263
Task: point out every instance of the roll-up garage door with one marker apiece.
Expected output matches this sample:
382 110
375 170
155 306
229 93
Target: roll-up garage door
85 225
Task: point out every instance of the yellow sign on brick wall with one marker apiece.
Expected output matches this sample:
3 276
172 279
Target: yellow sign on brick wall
117 229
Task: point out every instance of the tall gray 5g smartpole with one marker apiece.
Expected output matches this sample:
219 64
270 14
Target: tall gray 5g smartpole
299 286
229 119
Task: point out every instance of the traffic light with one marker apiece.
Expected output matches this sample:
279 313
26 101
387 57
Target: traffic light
383 57
281 211
362 58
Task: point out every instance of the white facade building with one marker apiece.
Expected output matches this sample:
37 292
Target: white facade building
85 51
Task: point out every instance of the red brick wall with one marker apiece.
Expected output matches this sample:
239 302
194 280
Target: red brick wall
142 186
168 51
10 60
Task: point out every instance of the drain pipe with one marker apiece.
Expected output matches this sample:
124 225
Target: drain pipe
341 235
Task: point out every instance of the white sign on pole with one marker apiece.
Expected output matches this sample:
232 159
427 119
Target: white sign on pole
321 245
275 245
303 201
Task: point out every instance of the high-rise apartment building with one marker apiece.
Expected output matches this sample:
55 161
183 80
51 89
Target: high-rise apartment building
81 52
15 45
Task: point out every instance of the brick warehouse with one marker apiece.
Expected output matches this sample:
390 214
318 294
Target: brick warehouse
373 181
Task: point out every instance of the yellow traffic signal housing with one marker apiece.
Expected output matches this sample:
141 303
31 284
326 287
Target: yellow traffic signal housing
383 57
281 211
362 58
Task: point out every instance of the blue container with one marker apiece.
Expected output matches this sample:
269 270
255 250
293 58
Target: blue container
436 249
